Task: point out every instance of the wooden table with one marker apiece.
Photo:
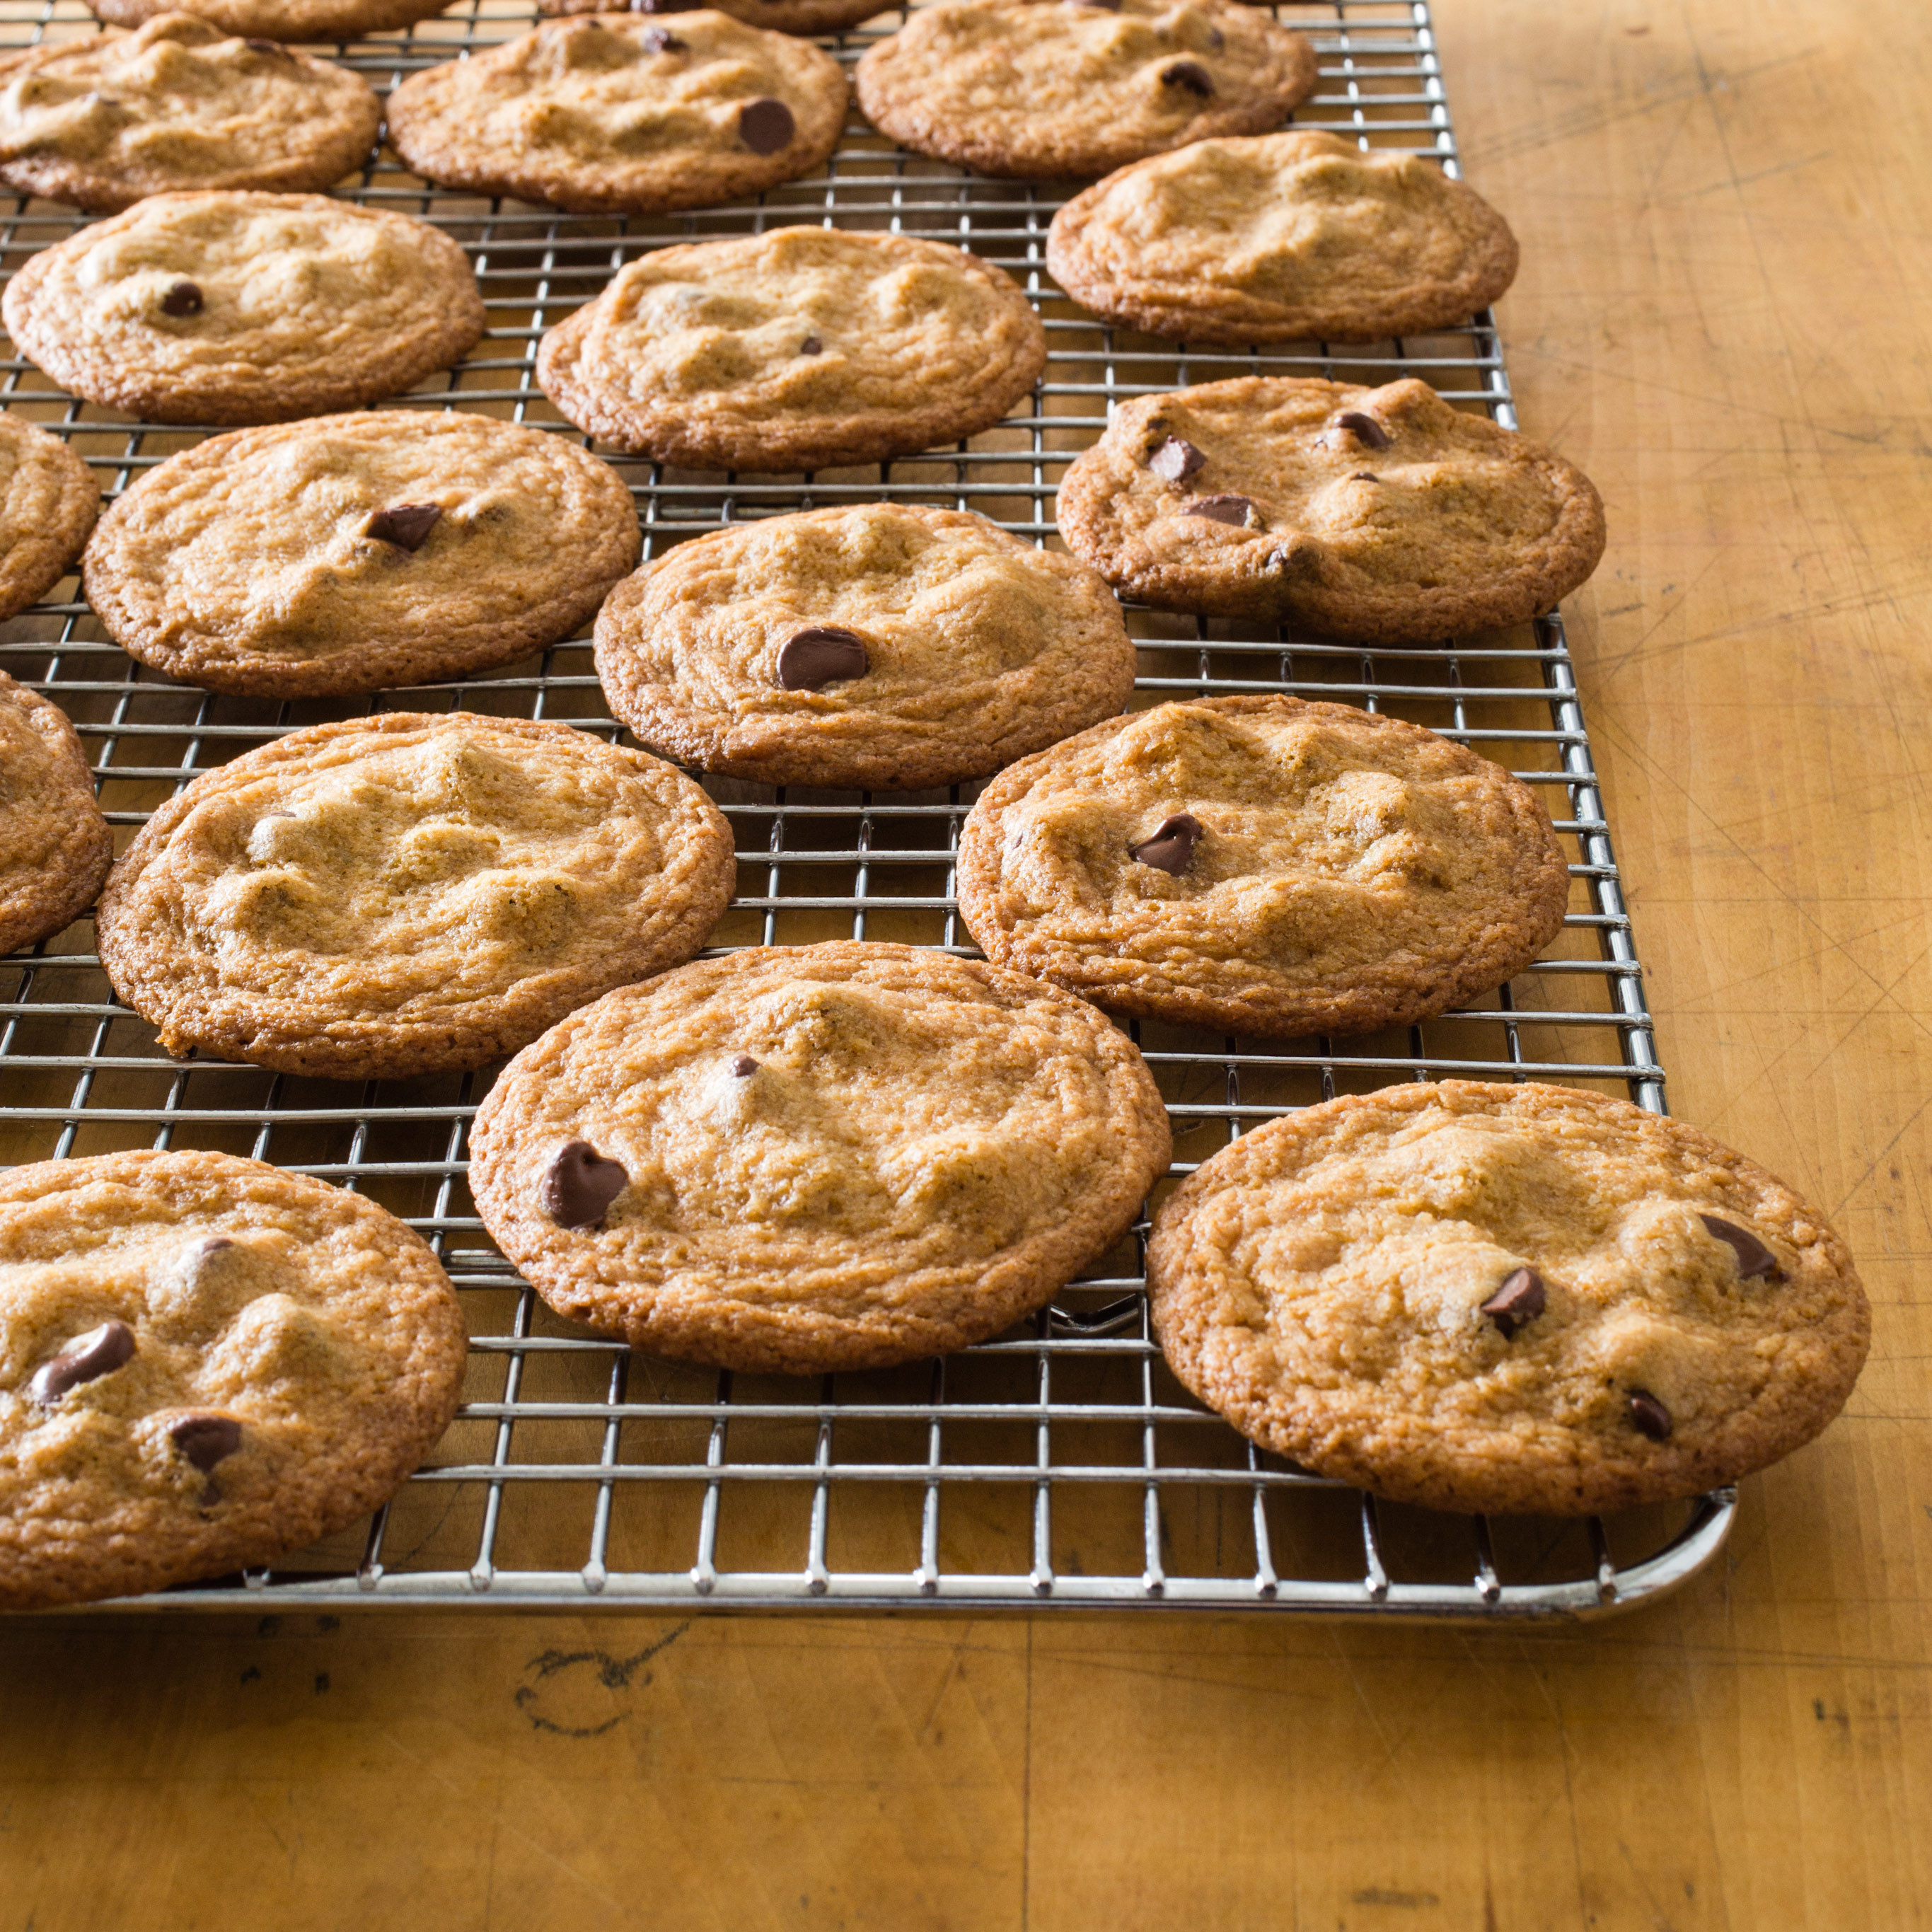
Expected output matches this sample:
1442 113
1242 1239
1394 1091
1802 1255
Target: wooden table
1726 209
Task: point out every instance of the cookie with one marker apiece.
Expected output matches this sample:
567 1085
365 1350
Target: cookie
619 115
102 121
798 349
1383 516
1281 237
49 500
1263 865
359 553
282 19
782 17
55 846
407 894
1511 1298
205 1363
245 308
806 1158
1044 89
878 645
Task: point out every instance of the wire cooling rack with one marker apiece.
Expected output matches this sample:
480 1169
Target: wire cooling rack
1061 1463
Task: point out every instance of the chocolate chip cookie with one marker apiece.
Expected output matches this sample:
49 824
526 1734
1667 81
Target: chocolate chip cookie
614 115
224 307
205 1363
49 500
797 350
782 17
1379 515
1043 89
102 121
358 552
406 894
876 645
1516 1298
1263 865
806 1159
281 20
1281 237
55 846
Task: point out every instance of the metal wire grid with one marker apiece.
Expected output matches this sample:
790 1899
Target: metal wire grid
1061 1463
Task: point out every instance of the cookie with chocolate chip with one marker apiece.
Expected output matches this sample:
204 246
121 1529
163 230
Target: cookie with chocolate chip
49 500
222 307
1263 865
103 121
618 114
1281 237
810 1159
359 553
281 20
55 846
875 644
1382 515
797 350
1514 1298
782 17
407 894
1045 88
205 1364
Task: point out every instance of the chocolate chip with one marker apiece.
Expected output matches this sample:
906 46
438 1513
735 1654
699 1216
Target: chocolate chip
1175 460
407 526
664 6
1216 39
814 659
99 1352
765 126
1520 1300
811 346
581 1185
198 1252
1754 1258
1648 1416
1235 510
744 1066
1365 476
1364 429
1171 847
206 1440
1102 6
182 299
1191 75
662 40
274 47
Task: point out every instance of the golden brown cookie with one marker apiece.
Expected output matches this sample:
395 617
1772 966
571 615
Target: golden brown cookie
1516 1298
1263 865
407 894
280 19
1281 237
817 1158
359 553
226 307
55 846
781 16
1044 89
879 644
1381 515
617 114
49 500
801 349
205 1363
102 121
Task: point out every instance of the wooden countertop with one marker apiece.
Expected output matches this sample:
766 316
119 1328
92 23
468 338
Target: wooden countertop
1726 210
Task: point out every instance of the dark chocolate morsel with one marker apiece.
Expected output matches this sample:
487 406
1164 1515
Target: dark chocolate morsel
198 1252
1175 460
662 40
407 526
1191 75
1364 429
206 1440
663 6
99 1352
1365 476
765 125
1519 1300
1648 1416
1754 1258
744 1066
274 47
182 299
581 1184
1235 510
1105 6
1171 847
1216 39
811 346
814 659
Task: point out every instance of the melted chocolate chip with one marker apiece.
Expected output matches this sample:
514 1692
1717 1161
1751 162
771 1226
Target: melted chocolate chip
1191 75
1171 847
1520 1300
1175 460
206 1440
744 1066
765 126
1235 510
814 659
1754 1258
811 346
1365 476
581 1185
407 526
182 299
1102 6
1649 1417
274 47
99 1352
662 40
195 1252
664 6
1216 39
1364 429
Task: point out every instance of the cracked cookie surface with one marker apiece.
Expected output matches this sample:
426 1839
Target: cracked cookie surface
49 500
55 846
